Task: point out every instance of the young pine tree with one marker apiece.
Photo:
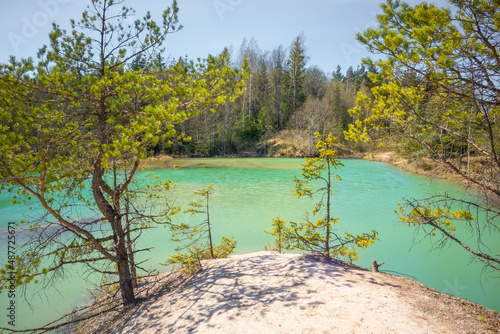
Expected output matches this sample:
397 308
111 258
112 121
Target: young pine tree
278 232
318 235
198 238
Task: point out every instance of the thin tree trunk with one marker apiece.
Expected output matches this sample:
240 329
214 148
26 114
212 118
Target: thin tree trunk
250 102
243 113
468 147
328 187
209 229
133 270
294 91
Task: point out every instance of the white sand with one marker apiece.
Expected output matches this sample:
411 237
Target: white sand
270 293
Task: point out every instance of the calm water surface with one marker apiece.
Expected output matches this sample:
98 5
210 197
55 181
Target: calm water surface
250 192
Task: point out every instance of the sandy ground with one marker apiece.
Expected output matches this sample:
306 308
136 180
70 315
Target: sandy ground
271 293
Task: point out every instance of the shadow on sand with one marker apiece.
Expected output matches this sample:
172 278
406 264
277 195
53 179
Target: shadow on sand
231 286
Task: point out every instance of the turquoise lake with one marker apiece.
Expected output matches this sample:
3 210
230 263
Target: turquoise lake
250 192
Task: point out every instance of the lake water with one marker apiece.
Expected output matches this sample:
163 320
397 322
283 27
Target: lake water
250 192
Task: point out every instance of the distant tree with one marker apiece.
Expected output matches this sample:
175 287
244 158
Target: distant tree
262 89
326 114
250 53
276 78
315 82
438 92
139 63
359 77
295 74
349 76
263 104
337 75
318 235
314 116
341 98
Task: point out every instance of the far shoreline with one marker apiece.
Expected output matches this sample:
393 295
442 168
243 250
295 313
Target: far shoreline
434 171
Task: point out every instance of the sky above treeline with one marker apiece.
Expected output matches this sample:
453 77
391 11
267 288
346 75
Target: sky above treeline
329 26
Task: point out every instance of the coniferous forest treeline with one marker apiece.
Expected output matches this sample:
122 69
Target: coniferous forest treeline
283 95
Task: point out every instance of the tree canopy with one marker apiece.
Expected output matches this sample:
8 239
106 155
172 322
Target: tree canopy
76 124
439 90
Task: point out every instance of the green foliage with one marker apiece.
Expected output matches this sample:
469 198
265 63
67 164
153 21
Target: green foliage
279 233
197 239
281 94
244 138
437 93
224 248
318 235
190 261
295 75
438 219
431 86
75 125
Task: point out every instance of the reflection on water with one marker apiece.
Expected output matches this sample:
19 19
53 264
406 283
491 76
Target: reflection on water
266 163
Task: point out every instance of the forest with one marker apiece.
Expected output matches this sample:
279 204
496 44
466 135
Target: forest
284 98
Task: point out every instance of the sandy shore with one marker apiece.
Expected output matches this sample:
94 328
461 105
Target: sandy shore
271 293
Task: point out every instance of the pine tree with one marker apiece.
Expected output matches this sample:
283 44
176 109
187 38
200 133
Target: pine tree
438 94
75 127
318 235
198 238
295 75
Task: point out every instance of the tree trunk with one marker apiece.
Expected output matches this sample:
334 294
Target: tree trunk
130 251
210 230
250 102
329 188
133 271
375 266
125 279
123 264
124 276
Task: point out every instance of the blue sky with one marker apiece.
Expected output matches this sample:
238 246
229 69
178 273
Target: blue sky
210 25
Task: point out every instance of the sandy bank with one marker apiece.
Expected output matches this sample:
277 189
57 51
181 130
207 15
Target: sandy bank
270 293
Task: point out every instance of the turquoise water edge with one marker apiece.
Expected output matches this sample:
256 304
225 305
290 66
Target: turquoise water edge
249 193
